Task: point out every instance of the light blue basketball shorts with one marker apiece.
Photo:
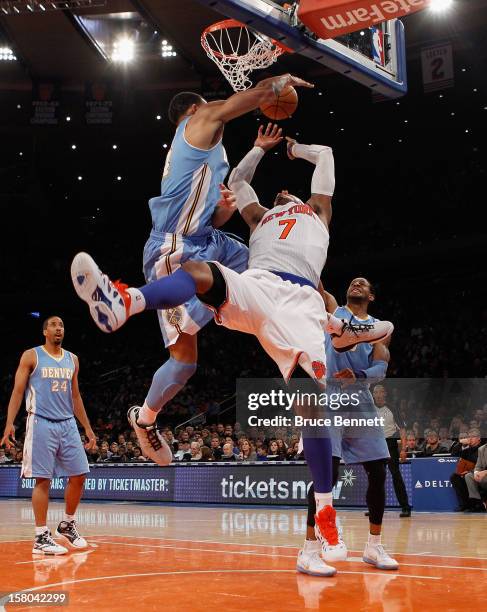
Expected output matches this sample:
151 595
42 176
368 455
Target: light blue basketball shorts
164 253
52 449
356 444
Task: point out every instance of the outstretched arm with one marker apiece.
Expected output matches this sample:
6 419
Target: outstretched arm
210 118
323 181
242 175
26 365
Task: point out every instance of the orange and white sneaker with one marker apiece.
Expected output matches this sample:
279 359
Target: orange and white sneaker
333 548
108 301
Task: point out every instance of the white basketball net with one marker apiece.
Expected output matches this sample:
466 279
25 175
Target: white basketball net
237 51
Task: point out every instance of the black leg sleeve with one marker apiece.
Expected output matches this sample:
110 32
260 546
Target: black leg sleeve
397 480
376 491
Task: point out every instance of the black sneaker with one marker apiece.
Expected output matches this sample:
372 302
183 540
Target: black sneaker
151 443
45 545
405 513
68 532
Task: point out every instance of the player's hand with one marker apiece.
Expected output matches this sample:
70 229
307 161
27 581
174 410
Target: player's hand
8 439
90 434
479 475
289 146
403 456
346 373
269 137
289 80
227 199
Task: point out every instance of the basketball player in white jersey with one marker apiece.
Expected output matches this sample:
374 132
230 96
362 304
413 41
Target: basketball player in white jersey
276 299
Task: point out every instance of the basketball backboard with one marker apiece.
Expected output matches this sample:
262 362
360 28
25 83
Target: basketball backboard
374 57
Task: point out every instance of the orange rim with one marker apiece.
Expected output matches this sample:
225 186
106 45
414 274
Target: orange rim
226 24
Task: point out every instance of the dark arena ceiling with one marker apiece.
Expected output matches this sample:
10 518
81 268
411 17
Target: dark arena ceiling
57 45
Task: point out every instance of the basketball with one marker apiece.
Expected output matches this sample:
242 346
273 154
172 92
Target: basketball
283 106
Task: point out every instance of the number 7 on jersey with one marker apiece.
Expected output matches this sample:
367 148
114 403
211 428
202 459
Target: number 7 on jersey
289 223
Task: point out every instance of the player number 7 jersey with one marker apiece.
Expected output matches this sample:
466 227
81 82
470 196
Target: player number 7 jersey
290 238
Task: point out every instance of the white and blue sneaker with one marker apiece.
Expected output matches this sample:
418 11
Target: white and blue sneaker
377 556
310 561
108 301
356 333
45 545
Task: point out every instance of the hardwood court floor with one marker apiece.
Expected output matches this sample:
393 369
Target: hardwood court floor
148 557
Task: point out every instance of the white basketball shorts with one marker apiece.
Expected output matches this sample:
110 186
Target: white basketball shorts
288 319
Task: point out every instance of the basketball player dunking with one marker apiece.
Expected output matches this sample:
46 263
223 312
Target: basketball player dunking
275 299
48 375
184 221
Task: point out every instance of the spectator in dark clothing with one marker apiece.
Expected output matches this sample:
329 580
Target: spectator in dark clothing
467 459
274 453
433 446
216 448
228 454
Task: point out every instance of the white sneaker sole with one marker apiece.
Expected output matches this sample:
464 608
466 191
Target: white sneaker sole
86 277
36 551
163 456
351 342
379 565
326 574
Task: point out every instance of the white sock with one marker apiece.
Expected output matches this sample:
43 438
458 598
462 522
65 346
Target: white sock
322 500
68 517
146 415
374 539
137 303
334 325
40 530
311 546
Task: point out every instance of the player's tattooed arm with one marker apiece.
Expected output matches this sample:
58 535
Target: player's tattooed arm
26 366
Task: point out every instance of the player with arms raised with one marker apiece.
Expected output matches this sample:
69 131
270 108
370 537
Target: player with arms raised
184 221
275 299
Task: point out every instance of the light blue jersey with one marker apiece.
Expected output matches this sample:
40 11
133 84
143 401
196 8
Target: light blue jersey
49 392
189 187
52 445
354 444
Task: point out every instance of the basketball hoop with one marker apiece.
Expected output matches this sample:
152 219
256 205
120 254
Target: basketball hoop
238 50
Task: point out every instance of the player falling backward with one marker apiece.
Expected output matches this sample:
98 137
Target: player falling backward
275 299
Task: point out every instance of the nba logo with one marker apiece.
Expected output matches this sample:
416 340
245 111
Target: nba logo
377 45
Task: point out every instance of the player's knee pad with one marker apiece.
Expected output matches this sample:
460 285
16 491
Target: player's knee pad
376 470
217 295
